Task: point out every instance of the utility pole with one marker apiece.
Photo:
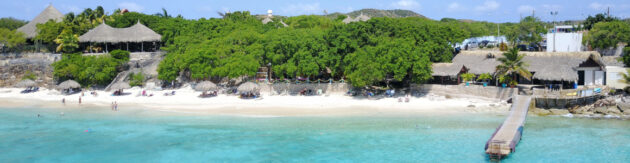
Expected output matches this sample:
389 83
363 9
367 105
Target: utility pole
608 12
554 13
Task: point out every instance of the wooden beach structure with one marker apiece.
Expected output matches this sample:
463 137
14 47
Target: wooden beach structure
507 136
136 34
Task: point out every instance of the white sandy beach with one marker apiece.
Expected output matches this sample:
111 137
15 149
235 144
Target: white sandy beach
186 100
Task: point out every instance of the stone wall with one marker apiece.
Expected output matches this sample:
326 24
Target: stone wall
13 66
294 89
471 91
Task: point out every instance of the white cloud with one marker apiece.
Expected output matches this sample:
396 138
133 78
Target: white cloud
525 9
453 7
488 6
406 4
131 6
297 9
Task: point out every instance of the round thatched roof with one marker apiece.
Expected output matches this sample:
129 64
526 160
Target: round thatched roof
206 86
120 85
69 84
248 87
25 83
50 13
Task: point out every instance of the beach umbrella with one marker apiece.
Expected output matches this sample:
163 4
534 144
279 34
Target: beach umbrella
120 85
26 83
206 86
248 87
68 84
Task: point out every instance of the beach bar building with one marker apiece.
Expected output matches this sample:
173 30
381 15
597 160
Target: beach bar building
140 37
30 29
557 69
447 73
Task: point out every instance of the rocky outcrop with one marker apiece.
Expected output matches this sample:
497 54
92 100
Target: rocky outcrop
610 106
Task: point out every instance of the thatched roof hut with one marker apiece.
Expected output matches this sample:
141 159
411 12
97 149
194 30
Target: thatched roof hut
50 13
248 87
206 86
68 84
26 83
446 69
120 85
105 34
551 66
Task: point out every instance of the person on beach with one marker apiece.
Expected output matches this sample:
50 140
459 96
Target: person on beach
79 100
63 100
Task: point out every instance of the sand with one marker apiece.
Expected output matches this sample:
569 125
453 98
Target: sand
186 100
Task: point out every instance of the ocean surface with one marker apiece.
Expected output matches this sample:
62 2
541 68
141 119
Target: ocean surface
101 135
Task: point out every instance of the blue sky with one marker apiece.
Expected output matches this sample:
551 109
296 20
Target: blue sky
487 10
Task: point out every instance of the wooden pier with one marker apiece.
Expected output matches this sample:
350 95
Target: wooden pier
506 137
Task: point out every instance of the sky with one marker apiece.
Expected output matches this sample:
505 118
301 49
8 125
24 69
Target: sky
482 10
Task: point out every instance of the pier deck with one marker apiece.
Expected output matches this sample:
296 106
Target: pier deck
505 138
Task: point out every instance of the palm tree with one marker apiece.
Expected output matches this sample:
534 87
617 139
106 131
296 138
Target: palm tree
67 42
512 64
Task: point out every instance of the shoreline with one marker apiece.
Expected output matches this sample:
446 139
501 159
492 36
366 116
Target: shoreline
186 101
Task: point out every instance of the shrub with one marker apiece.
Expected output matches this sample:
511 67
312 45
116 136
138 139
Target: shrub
120 55
468 76
484 77
136 79
29 75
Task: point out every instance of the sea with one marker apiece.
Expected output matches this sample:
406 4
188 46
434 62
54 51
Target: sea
29 134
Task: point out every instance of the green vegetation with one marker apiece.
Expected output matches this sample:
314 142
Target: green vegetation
608 34
468 77
11 23
529 30
121 55
136 79
626 56
29 75
512 64
590 22
67 42
311 46
484 77
87 70
11 38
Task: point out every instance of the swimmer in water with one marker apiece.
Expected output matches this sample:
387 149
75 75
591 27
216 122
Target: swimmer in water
62 114
38 115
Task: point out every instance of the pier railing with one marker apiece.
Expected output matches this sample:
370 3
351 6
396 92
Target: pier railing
571 93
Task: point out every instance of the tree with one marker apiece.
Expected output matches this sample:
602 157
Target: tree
11 23
468 77
49 31
529 29
11 38
67 41
484 77
512 64
590 22
626 56
608 34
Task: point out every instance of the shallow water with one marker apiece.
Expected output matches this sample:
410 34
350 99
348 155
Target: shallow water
151 136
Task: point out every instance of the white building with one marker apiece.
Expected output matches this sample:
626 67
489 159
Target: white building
564 39
614 69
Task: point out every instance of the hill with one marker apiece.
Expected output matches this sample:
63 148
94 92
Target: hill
385 13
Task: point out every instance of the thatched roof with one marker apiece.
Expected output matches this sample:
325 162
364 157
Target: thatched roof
248 87
30 29
553 66
120 85
68 84
25 83
106 34
348 19
206 86
446 69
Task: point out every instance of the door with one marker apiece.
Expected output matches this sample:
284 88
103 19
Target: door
599 77
588 77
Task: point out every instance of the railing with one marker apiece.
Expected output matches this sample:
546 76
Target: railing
571 93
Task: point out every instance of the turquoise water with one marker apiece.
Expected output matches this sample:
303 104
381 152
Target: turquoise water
149 136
